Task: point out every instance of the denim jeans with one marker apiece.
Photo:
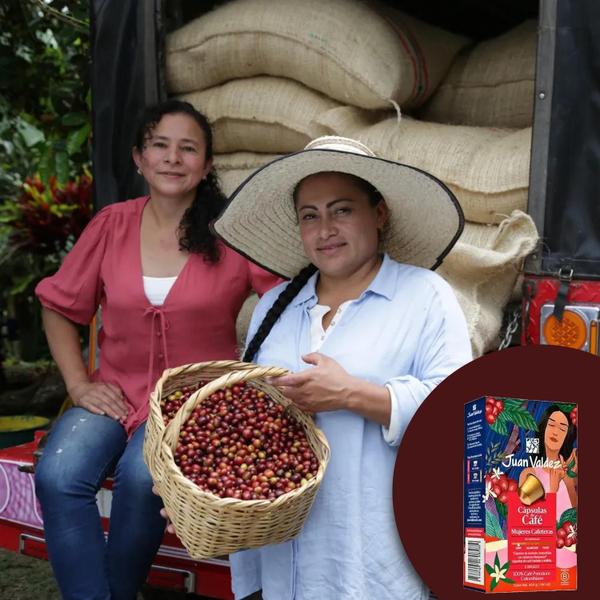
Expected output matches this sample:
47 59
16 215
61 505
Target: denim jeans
82 449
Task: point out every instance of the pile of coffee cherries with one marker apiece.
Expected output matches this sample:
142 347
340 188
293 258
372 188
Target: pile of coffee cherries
573 416
493 408
501 485
240 443
566 535
174 401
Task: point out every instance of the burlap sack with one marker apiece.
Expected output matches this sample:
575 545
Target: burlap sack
243 321
232 169
487 169
483 268
491 84
343 48
261 114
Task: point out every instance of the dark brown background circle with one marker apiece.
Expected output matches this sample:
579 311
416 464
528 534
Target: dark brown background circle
428 479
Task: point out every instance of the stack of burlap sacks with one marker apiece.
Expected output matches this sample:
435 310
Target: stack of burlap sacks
273 74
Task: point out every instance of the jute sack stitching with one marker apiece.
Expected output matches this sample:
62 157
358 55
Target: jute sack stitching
343 48
261 114
491 84
486 168
482 268
234 168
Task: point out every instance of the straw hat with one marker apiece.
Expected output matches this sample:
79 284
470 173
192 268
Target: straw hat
260 220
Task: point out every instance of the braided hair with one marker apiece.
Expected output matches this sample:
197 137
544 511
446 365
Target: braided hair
195 235
272 316
298 282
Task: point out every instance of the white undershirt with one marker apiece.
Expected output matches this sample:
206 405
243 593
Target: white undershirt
317 338
157 288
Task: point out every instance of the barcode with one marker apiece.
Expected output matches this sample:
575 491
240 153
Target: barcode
474 556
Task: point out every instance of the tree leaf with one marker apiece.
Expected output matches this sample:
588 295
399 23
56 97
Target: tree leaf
61 160
521 417
499 425
20 284
77 138
566 407
497 561
31 135
568 515
513 402
46 165
492 526
508 580
493 584
501 508
489 568
74 119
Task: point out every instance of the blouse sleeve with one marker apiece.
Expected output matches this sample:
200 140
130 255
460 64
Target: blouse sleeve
75 289
444 346
262 281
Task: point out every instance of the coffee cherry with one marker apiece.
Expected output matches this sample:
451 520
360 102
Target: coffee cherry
238 444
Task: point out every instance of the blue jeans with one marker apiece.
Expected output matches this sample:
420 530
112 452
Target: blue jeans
82 450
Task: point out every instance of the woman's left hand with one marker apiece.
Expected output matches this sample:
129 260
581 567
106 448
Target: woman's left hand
324 387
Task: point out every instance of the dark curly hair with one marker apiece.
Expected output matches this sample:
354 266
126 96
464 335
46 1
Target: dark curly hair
194 233
298 282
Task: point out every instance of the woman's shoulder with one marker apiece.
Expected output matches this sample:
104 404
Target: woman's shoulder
113 217
126 208
405 274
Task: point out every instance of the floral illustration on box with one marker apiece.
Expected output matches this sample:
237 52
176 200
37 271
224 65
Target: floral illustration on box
566 529
498 573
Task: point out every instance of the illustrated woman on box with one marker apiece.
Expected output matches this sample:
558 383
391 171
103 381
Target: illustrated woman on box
169 293
368 330
557 435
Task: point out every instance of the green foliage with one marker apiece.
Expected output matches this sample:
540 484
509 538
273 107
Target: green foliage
45 132
44 105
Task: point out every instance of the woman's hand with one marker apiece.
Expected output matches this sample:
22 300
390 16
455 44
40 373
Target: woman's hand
556 475
163 513
327 386
322 388
99 398
170 527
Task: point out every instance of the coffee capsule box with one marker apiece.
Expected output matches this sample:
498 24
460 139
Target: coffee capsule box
520 495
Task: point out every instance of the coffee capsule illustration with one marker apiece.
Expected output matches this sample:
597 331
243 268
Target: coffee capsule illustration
531 490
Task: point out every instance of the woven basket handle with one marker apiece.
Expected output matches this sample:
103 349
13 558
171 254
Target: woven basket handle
171 433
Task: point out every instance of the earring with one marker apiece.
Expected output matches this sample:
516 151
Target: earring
139 171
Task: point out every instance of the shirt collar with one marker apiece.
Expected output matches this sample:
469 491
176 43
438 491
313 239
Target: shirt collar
382 285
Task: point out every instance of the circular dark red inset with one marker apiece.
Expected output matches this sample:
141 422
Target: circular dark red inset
428 478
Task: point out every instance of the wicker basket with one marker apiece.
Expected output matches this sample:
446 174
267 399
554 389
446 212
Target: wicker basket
171 381
210 526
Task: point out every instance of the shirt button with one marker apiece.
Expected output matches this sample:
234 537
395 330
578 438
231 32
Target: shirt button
160 356
332 323
158 333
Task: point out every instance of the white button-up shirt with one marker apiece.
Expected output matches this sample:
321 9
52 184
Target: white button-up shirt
407 331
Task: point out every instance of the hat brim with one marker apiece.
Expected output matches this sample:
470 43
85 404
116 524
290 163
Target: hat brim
260 221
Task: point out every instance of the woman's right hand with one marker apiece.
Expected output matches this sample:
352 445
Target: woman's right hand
99 398
556 475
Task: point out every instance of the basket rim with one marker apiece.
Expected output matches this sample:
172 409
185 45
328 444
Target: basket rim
167 445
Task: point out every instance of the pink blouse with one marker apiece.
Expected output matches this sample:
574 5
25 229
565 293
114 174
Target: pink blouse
137 340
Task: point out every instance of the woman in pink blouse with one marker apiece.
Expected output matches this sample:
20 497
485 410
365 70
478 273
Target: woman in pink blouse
169 294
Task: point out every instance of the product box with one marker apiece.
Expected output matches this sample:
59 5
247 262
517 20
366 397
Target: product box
520 495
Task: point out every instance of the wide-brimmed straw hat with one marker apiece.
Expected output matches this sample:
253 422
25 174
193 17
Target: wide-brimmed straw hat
260 219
